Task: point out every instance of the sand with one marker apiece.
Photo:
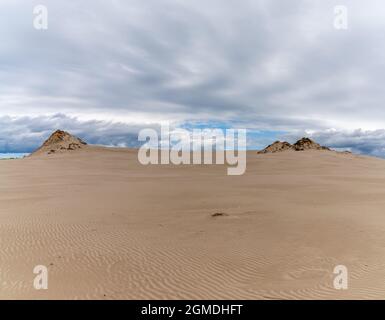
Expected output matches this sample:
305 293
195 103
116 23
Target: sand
109 228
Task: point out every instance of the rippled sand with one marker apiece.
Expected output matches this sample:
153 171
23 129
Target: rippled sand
109 228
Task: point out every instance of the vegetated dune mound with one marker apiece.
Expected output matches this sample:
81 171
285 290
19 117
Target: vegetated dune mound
308 144
301 145
60 141
277 146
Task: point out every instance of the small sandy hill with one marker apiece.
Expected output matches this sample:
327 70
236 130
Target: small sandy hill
308 144
60 141
277 146
300 145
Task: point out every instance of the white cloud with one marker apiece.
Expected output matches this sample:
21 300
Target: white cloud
25 134
273 65
371 142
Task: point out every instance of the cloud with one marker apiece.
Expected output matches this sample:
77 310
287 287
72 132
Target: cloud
370 142
25 134
263 65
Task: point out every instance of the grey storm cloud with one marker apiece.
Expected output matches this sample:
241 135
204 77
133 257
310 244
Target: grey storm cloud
268 65
25 134
370 142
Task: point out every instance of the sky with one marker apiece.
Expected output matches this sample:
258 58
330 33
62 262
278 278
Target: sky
281 69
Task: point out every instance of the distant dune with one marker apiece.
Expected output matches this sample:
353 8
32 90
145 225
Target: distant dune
109 228
60 141
301 145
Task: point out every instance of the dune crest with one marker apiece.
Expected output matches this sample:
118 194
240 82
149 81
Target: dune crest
277 146
60 141
301 145
308 144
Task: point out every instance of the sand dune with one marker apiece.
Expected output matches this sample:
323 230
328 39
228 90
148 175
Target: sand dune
109 228
60 141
